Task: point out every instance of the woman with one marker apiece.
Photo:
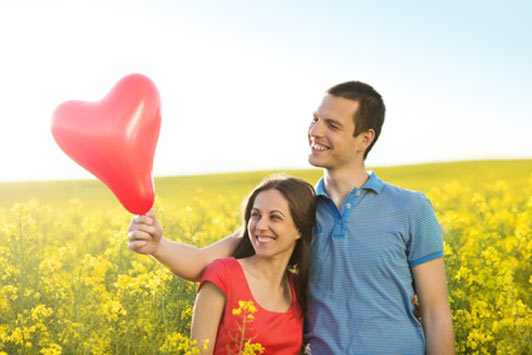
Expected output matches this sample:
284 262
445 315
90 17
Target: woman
258 296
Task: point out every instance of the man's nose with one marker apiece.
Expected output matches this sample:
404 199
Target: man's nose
316 129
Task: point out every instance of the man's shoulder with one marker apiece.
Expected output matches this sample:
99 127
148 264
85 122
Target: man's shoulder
401 194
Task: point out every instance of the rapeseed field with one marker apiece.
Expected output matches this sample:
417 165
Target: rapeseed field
70 285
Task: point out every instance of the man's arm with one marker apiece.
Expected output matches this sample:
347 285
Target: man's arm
145 236
432 292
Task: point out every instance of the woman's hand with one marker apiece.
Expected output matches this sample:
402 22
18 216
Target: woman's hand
145 236
144 233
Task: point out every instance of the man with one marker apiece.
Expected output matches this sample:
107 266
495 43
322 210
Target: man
374 245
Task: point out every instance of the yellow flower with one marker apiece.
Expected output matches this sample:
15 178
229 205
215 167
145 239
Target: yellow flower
41 311
52 349
104 298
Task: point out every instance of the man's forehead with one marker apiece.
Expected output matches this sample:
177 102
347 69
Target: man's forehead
335 107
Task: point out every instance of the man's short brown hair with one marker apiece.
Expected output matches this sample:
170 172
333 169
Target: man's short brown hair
371 110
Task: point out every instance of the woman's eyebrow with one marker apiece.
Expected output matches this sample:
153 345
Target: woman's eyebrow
277 211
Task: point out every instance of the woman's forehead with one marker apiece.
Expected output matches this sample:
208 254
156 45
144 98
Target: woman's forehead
269 200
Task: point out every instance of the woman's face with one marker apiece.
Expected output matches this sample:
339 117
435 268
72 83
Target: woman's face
272 231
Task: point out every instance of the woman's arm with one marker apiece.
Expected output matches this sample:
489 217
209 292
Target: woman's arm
437 321
145 236
208 311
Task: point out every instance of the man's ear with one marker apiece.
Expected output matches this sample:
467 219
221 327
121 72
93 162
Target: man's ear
367 137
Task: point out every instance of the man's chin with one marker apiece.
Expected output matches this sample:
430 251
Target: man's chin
315 162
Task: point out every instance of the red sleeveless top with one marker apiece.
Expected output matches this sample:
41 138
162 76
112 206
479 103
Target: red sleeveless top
278 333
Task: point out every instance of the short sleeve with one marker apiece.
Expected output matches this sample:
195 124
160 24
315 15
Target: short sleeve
425 232
218 274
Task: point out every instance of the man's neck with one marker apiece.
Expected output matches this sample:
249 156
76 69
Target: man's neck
338 183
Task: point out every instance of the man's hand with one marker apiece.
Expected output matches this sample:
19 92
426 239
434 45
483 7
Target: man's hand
144 233
417 309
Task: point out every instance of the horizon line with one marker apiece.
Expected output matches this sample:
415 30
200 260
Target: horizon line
274 170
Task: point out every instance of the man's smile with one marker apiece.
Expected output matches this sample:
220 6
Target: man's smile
318 146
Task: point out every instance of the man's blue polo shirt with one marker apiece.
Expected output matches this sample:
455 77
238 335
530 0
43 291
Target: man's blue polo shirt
361 283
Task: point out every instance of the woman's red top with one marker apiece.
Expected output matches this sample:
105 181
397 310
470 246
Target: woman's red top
278 333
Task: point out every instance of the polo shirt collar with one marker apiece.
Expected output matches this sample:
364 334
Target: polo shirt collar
374 183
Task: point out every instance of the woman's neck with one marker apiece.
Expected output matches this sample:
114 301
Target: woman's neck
272 271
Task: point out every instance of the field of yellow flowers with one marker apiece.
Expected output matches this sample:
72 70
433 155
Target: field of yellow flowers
69 284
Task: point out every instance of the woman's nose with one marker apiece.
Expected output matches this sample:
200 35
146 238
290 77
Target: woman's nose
262 224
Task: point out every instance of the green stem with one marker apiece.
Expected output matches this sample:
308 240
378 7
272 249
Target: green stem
240 348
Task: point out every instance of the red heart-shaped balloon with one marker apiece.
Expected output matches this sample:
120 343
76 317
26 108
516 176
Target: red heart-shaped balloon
115 138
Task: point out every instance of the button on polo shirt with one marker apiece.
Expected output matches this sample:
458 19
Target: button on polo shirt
361 282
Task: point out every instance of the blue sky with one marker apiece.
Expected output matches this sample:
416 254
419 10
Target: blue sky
239 80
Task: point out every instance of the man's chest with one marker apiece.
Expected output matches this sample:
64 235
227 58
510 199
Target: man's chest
365 243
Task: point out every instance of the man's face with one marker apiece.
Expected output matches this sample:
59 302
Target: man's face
330 134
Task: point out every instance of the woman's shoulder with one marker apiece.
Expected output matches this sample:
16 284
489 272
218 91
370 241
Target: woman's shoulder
223 262
219 272
222 266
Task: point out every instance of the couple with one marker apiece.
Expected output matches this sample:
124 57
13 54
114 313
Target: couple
373 247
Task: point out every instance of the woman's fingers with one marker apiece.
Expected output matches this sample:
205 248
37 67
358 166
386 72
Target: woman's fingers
142 231
145 227
141 219
137 244
138 235
151 214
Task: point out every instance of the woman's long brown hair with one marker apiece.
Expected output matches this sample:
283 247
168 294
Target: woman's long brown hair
301 200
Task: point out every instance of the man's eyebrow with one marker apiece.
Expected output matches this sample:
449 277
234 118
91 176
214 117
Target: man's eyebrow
327 119
333 121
